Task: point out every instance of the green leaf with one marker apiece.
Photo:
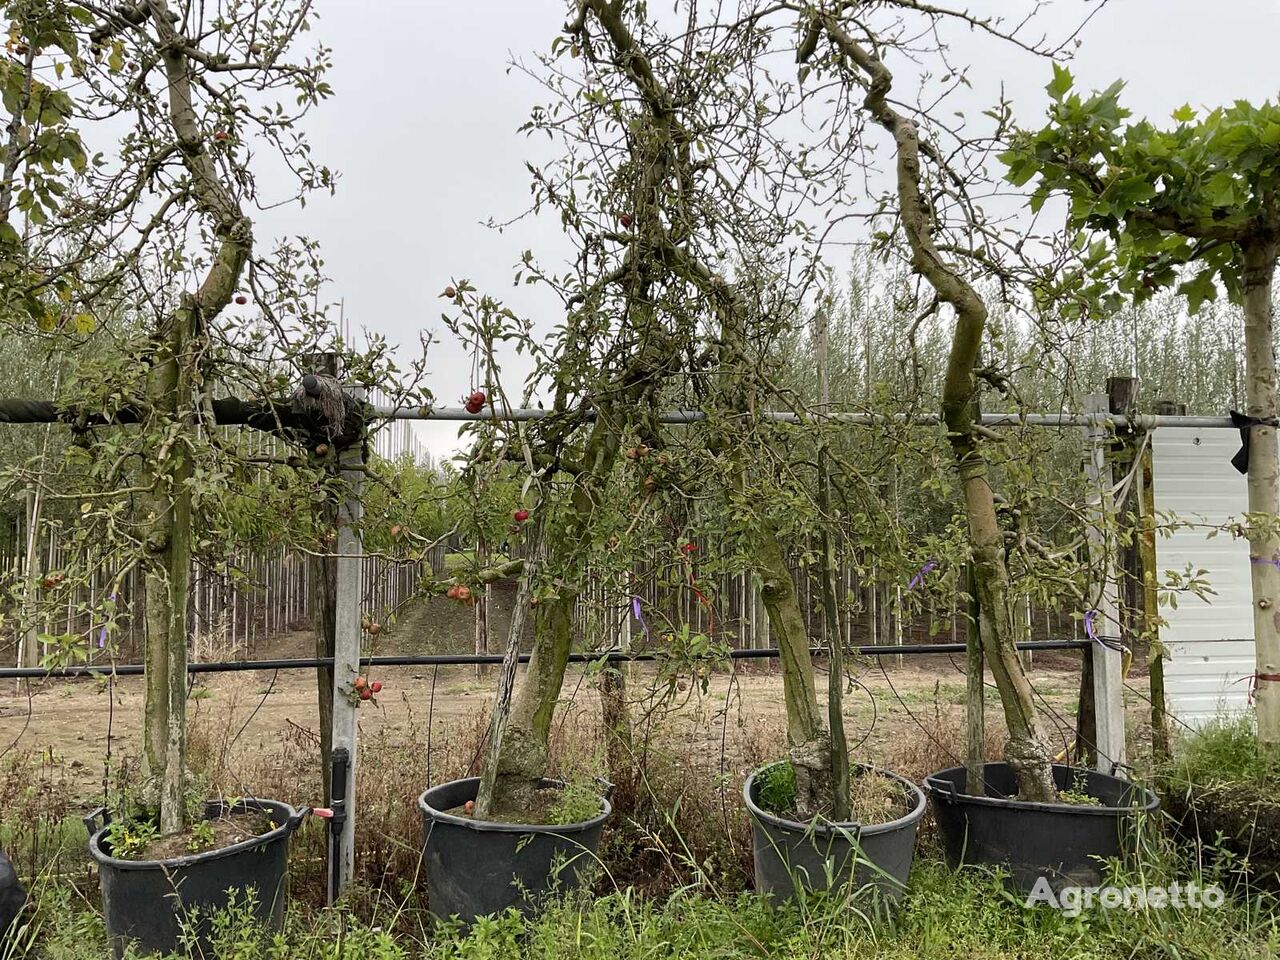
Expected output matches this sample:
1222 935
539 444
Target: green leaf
1062 81
1199 289
1184 114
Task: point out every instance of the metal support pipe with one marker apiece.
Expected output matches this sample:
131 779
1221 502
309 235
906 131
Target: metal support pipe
278 415
471 659
522 414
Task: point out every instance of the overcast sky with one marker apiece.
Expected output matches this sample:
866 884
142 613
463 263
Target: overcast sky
423 129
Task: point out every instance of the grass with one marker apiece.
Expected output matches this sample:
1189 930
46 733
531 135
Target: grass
1224 796
944 914
676 860
1225 750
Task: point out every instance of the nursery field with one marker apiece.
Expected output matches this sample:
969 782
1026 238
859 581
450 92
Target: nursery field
79 723
675 867
874 371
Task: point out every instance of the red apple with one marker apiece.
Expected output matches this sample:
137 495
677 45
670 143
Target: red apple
241 299
626 220
376 686
449 292
366 694
521 515
360 683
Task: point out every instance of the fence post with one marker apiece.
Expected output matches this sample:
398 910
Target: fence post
348 590
1108 680
1156 653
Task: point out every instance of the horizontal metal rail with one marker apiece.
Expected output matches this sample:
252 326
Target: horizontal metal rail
472 659
521 414
276 415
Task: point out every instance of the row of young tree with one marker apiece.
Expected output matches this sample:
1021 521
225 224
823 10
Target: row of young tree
701 208
708 167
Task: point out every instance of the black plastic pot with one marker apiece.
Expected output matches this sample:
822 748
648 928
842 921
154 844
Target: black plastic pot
12 899
792 856
478 867
147 903
1066 844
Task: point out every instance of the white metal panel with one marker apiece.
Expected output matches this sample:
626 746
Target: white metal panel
1210 644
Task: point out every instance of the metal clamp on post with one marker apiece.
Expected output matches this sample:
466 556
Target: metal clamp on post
337 818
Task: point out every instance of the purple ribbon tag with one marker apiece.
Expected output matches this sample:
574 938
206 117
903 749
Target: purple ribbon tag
918 579
102 631
1089 631
639 615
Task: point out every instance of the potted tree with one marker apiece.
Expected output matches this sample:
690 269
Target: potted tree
1039 818
141 257
808 837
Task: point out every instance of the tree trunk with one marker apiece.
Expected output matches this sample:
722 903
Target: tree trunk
1264 486
616 718
518 753
28 641
839 753
1026 749
167 569
322 573
520 760
975 757
498 749
807 738
171 395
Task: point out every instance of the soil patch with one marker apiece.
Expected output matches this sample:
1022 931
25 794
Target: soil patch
217 834
873 798
550 807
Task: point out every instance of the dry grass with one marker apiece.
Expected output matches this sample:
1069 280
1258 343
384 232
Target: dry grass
938 742
678 811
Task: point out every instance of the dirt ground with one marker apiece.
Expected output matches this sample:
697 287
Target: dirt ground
79 722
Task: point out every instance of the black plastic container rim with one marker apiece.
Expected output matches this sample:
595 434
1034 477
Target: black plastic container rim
495 826
861 829
292 820
945 790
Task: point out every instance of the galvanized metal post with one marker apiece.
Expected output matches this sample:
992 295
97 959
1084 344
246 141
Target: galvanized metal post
1108 679
349 548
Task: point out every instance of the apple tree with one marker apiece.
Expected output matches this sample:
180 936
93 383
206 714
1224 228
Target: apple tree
137 140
